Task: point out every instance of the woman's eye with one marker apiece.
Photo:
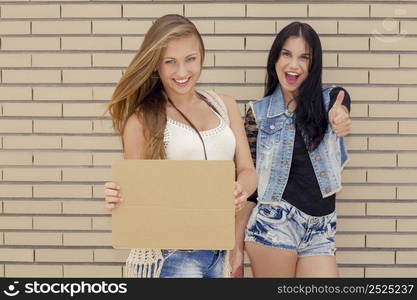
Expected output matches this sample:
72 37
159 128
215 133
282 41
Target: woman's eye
191 58
286 54
305 57
169 61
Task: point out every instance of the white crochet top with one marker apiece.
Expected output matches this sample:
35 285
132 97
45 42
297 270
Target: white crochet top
182 142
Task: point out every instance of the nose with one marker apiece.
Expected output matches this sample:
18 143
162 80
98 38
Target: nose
294 63
182 70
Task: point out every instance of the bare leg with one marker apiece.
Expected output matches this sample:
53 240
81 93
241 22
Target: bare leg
317 266
271 262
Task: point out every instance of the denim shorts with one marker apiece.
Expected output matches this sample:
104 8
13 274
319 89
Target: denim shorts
284 226
193 263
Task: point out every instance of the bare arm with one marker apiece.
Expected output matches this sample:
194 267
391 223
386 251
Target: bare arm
245 170
246 177
133 148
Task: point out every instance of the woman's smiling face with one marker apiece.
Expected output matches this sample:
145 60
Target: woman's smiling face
180 65
292 66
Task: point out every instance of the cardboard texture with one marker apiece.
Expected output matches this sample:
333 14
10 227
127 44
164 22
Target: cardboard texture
173 204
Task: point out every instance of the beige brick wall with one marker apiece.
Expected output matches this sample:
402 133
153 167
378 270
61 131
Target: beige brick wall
60 61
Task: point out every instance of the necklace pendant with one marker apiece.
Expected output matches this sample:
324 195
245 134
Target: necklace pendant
289 113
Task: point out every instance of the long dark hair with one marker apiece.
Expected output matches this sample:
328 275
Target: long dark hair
310 115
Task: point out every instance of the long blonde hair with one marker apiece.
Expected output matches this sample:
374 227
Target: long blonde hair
140 90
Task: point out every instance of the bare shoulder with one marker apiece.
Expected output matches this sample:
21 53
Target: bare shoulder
133 123
133 128
229 101
233 110
133 138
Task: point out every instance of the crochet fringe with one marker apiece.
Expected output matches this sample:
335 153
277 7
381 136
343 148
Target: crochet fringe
144 263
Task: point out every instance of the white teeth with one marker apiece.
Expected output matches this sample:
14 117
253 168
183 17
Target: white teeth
291 73
182 81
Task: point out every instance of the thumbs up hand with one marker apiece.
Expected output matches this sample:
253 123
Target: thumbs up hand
339 116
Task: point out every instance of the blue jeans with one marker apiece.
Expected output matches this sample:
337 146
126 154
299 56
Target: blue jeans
192 263
284 226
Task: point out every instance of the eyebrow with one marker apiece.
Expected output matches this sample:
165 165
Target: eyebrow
307 53
195 53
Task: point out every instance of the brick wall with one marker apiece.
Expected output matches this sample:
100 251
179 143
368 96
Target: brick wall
60 61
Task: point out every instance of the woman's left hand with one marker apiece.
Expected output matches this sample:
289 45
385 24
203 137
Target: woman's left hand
339 116
240 197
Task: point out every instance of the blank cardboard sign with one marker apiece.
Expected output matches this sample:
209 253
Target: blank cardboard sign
174 204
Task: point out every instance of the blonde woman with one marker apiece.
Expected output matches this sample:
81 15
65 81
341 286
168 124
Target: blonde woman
160 115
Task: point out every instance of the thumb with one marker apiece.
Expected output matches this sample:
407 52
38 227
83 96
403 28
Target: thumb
337 106
339 100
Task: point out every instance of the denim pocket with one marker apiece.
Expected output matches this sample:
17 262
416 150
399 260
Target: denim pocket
272 213
167 252
269 133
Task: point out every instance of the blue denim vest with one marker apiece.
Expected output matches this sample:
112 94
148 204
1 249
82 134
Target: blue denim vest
275 144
